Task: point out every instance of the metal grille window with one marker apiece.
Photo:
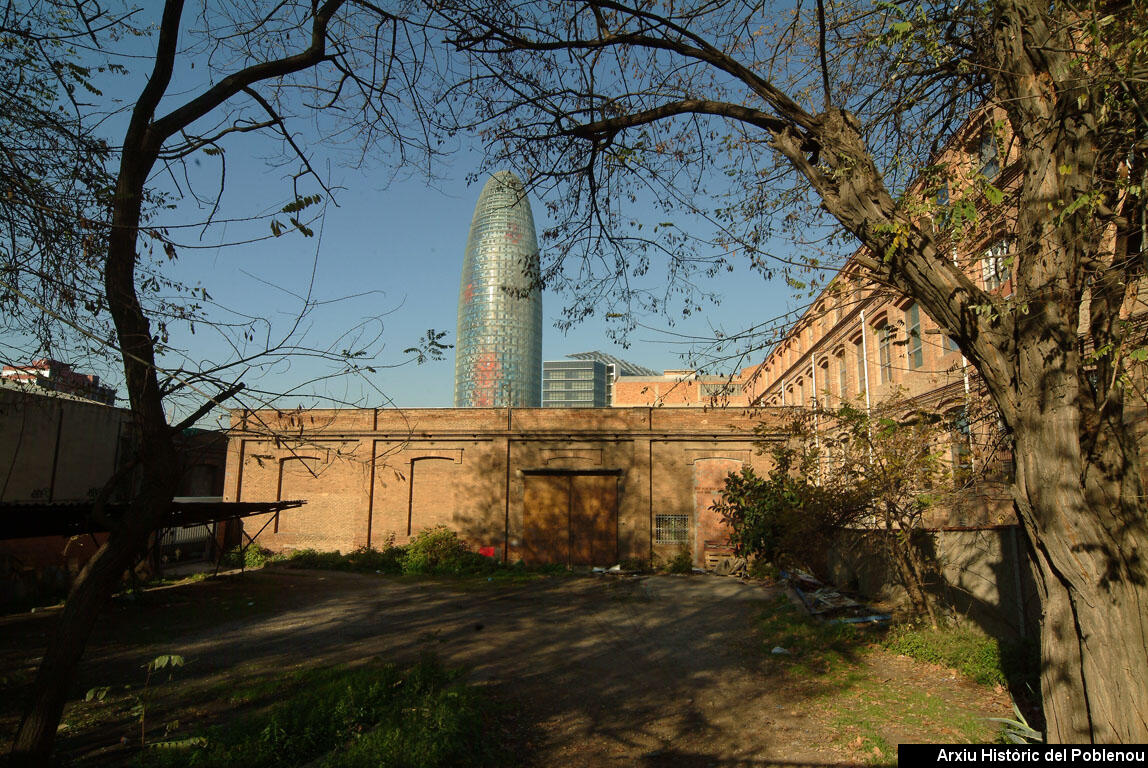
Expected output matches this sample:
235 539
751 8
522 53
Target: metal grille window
671 529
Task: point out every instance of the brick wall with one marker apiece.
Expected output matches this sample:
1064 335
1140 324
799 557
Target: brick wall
371 476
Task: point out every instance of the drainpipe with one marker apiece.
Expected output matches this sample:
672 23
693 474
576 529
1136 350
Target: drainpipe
865 355
813 377
965 374
868 395
816 422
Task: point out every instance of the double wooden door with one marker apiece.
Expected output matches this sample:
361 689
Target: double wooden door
570 518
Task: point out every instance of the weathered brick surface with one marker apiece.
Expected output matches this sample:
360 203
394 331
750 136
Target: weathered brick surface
468 469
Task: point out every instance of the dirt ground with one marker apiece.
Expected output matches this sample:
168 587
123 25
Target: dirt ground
595 670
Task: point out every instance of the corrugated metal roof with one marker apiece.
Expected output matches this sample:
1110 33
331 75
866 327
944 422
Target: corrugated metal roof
24 519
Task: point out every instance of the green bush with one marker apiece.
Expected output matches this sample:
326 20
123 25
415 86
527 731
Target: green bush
682 562
252 557
787 519
760 568
337 718
439 551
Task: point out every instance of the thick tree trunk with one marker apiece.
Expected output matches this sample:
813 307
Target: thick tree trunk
35 738
96 582
1086 523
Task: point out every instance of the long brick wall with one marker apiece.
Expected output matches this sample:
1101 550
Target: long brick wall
536 484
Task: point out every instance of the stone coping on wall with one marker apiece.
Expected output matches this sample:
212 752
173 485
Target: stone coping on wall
524 422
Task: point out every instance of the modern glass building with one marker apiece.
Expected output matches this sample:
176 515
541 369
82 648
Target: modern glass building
498 357
585 379
574 384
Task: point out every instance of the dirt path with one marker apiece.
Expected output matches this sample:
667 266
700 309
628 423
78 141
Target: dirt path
604 671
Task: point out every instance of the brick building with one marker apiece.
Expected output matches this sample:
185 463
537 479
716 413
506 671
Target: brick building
680 389
582 486
54 376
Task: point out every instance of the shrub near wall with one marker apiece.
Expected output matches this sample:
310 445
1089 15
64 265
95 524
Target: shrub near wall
439 551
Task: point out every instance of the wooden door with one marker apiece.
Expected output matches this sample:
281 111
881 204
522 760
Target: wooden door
570 518
593 519
546 519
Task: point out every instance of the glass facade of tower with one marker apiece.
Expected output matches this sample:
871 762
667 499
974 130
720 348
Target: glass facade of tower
575 384
498 356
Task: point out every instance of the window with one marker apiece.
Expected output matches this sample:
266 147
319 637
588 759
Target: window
915 351
989 156
951 345
842 377
671 529
861 376
716 389
994 265
944 214
885 352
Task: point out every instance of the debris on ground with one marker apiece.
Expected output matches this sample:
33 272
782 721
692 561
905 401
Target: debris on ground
828 603
731 566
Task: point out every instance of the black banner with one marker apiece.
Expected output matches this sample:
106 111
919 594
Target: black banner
1044 755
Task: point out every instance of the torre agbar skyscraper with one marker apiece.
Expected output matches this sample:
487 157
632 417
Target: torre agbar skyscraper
498 359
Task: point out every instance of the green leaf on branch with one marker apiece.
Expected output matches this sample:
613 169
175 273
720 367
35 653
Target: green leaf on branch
300 203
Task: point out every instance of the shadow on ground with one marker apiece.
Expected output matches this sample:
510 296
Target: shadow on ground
595 671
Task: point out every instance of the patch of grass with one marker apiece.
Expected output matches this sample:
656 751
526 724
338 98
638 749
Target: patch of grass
872 714
372 715
389 560
970 653
435 552
867 715
810 646
760 568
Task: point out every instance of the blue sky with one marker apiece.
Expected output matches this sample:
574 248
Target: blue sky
397 249
392 244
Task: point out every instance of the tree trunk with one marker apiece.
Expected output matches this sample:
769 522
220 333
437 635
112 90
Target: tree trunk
89 594
1085 519
149 506
911 570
